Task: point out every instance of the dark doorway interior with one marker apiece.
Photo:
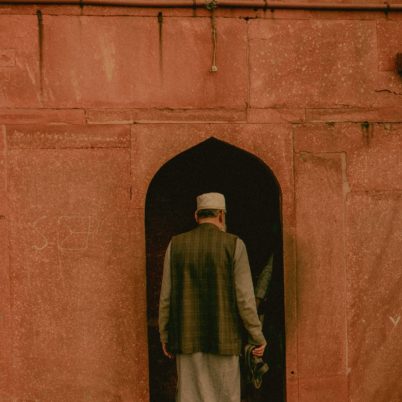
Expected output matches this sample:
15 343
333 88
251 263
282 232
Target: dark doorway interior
253 203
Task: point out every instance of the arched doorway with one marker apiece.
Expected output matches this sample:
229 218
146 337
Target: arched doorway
254 214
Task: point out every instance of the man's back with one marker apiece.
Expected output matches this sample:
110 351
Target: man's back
206 292
203 316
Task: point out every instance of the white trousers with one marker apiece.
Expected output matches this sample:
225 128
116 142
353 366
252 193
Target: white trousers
204 377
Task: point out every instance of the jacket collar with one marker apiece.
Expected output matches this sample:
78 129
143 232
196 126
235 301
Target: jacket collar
208 226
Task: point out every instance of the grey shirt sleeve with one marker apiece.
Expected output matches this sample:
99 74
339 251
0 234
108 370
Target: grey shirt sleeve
245 295
164 300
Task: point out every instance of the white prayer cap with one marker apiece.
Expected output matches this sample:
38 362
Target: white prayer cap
211 201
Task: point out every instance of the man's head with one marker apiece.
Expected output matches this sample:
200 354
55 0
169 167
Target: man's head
211 208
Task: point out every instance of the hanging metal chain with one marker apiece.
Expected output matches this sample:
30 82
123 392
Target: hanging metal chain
211 6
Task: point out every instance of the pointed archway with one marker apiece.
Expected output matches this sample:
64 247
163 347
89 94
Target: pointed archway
254 214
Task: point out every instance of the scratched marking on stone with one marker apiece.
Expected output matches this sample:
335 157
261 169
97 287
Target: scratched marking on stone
7 57
45 240
78 228
5 396
395 320
73 232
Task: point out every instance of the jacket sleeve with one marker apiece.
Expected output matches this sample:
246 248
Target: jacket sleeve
164 300
245 295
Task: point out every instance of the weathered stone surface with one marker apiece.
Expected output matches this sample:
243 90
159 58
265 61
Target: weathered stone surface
291 323
321 282
94 67
74 278
395 16
324 389
284 14
96 70
108 116
186 77
31 9
42 116
275 115
292 389
389 44
5 316
165 115
69 136
373 151
388 89
312 63
166 12
329 137
190 115
138 11
3 172
374 281
377 165
387 114
19 61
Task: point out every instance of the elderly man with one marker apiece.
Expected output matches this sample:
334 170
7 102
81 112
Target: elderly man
206 294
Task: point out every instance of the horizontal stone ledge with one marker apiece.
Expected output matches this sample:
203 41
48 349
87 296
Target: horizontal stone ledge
378 194
240 13
116 116
210 5
333 125
276 115
252 115
67 136
42 116
386 114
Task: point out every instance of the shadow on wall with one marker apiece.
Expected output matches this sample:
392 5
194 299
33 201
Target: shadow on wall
253 213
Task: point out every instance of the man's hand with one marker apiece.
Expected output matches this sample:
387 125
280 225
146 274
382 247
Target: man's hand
166 352
259 350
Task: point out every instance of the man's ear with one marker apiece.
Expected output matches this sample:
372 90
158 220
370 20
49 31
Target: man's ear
196 216
221 216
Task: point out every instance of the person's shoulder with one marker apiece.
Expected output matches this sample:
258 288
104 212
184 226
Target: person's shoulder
239 242
179 236
231 236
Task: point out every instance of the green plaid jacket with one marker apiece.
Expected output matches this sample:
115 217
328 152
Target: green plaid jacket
203 310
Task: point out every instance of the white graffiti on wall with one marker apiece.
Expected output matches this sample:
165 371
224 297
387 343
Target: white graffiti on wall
45 240
395 320
72 231
74 238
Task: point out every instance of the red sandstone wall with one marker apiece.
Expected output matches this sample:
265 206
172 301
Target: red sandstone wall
94 100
